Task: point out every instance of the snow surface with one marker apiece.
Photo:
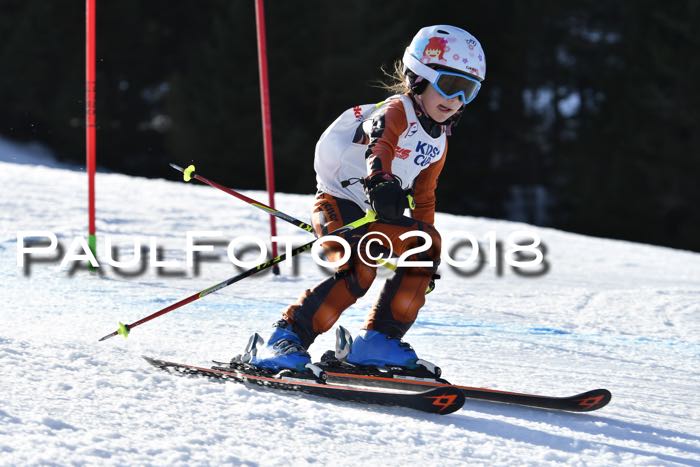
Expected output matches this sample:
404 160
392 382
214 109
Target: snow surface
608 314
31 153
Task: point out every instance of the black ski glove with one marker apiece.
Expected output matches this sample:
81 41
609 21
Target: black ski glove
386 196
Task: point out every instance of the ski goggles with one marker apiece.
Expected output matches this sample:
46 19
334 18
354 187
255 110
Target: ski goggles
448 84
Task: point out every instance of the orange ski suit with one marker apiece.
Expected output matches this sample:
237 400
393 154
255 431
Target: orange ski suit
403 294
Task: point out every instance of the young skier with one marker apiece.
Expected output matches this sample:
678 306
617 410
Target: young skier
372 157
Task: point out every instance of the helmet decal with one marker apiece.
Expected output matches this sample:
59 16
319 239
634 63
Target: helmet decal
435 48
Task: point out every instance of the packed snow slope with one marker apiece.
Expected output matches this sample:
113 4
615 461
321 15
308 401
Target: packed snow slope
610 314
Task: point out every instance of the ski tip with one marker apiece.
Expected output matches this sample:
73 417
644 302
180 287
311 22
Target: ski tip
592 400
444 400
187 173
156 362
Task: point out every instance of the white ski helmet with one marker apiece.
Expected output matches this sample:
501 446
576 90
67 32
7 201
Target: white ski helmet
451 49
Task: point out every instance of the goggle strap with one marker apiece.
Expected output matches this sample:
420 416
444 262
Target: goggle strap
419 68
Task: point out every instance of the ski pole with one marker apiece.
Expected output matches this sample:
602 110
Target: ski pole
124 329
189 173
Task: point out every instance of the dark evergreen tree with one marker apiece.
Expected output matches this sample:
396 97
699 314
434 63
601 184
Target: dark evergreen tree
587 120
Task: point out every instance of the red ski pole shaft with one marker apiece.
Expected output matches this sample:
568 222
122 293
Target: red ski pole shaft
124 329
189 173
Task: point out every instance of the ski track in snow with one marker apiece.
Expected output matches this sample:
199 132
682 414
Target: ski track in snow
608 314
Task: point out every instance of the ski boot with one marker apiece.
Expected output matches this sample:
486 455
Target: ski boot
283 351
373 348
376 353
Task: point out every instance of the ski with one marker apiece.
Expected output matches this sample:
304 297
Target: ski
438 400
339 372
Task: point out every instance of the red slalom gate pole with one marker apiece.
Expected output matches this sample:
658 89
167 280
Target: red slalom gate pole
90 136
266 119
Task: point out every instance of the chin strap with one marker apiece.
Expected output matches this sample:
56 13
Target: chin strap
452 122
429 124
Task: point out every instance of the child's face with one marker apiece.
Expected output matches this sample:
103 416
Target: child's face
437 107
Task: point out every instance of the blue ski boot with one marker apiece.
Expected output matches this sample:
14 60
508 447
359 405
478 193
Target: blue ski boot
375 349
283 350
